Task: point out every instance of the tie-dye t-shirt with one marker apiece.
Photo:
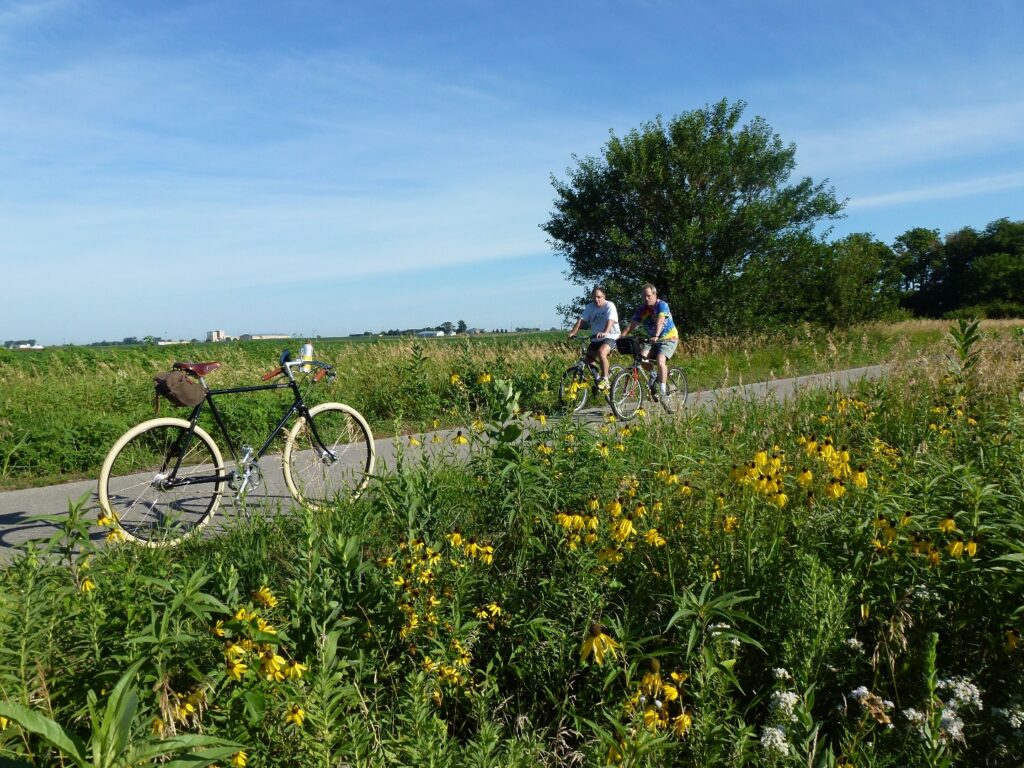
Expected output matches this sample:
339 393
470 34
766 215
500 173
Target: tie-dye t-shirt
649 317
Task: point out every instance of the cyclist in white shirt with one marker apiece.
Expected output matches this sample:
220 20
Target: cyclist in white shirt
601 316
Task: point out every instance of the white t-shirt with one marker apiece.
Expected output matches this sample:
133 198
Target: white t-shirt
597 319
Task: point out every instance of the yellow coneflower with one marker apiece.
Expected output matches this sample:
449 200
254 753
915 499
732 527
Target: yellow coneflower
654 538
295 715
272 666
484 378
805 478
460 439
730 523
544 376
414 441
681 724
835 488
104 519
239 759
610 555
541 417
598 644
294 670
971 548
265 626
236 669
623 529
116 536
88 585
436 438
454 379
860 478
956 548
478 425
602 450
948 525
265 597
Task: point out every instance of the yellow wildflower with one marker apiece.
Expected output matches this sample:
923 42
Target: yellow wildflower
265 597
971 548
242 614
454 379
484 378
414 441
681 724
478 424
88 585
294 670
104 519
598 644
730 523
272 665
544 376
654 538
956 548
295 715
948 525
460 439
236 668
860 478
805 478
115 536
239 759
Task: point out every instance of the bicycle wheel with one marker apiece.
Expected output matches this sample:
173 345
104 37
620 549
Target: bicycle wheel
627 394
316 477
574 389
145 486
678 388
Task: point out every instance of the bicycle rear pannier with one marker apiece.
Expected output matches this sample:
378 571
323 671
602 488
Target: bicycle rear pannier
628 345
179 388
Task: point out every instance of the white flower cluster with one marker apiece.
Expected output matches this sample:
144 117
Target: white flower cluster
859 694
963 693
925 595
773 739
854 644
781 674
784 703
718 629
1014 716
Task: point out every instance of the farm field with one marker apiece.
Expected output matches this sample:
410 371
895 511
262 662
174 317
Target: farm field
63 408
838 581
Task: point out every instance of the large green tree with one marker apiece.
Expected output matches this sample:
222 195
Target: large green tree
701 206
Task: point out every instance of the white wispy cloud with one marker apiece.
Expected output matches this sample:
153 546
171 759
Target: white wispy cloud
913 137
963 188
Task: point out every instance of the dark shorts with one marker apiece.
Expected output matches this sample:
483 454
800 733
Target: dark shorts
595 345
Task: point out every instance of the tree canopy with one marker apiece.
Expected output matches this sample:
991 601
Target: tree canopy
703 208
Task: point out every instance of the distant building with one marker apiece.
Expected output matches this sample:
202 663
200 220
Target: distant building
475 330
217 336
169 342
430 334
263 336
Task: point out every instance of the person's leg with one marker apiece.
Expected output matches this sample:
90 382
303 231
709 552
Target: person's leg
603 351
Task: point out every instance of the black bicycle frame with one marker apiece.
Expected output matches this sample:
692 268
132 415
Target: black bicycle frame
298 405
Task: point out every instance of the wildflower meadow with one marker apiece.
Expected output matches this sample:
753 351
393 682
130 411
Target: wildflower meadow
836 581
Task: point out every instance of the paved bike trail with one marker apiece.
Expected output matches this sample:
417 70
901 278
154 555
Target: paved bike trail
18 508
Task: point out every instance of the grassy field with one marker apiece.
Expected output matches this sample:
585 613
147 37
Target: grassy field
62 408
835 582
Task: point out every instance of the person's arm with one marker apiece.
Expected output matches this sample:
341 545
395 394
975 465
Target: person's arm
575 328
629 328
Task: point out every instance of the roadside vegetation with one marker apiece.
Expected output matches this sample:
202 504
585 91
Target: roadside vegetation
61 409
837 581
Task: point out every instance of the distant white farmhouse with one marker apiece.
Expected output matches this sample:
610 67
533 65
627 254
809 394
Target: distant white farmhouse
217 336
430 334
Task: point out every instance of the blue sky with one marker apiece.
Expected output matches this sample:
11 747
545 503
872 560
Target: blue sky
334 167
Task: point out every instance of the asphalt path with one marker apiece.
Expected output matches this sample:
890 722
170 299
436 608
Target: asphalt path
20 510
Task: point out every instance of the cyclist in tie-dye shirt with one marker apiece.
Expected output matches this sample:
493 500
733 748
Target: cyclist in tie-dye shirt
662 334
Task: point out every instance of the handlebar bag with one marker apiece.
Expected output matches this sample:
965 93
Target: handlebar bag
179 388
628 345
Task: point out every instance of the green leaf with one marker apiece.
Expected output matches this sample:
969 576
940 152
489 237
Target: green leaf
68 743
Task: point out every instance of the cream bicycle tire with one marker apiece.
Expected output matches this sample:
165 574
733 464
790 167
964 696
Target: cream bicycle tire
129 492
311 480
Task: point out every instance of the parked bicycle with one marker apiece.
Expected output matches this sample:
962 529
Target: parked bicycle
163 479
582 377
635 383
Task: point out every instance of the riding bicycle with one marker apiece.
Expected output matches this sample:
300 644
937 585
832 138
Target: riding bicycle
633 384
580 378
162 480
